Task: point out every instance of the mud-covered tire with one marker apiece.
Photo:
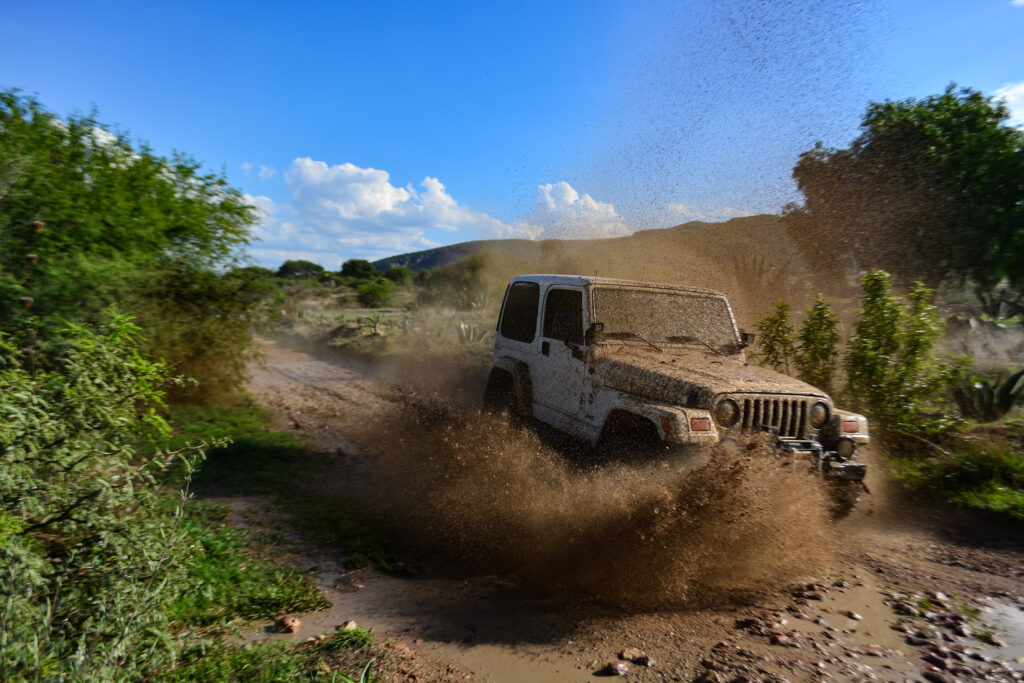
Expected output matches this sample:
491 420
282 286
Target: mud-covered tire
500 395
844 496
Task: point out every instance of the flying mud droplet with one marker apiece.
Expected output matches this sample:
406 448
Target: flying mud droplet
642 535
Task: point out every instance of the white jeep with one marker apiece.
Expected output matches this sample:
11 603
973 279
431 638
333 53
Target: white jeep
594 357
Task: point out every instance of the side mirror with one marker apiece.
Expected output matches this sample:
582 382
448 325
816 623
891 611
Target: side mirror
746 338
593 333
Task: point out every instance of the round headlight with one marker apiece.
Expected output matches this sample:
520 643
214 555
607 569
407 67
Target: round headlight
819 414
727 412
845 448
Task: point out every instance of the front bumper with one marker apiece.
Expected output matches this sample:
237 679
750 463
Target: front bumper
829 462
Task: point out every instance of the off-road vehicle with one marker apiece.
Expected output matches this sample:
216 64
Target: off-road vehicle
596 357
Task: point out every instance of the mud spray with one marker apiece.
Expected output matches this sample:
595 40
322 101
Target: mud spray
495 498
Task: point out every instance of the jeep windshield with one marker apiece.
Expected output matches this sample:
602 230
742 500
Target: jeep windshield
660 317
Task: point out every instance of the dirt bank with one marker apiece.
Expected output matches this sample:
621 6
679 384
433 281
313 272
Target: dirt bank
543 570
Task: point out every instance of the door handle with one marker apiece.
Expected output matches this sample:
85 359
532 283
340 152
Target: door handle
545 348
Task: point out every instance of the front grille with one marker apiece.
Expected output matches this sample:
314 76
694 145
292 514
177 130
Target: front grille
789 416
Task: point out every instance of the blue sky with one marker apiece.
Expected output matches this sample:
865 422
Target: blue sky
365 129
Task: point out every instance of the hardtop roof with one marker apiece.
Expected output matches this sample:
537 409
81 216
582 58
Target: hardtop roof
585 280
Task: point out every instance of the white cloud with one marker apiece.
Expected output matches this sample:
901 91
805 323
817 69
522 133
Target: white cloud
246 167
692 213
354 211
1013 95
562 212
1017 3
266 173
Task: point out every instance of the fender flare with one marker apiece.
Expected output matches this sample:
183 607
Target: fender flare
521 383
677 416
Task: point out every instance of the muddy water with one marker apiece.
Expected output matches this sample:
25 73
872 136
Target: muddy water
536 598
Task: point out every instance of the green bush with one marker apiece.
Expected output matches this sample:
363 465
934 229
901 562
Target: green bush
92 552
400 275
891 370
102 566
374 295
988 475
359 269
775 338
817 356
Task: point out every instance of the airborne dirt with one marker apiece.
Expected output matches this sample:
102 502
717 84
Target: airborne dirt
529 564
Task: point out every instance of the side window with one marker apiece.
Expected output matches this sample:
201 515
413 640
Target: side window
563 315
519 316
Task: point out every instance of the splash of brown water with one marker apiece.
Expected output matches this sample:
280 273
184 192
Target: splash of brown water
639 535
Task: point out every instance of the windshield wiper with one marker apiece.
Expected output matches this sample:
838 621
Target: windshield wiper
631 335
686 340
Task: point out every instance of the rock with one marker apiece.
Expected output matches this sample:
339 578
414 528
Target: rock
631 654
853 615
616 669
288 624
348 626
917 641
933 676
645 660
935 660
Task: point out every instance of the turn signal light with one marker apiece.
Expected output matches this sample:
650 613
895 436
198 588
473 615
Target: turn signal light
700 424
666 424
851 426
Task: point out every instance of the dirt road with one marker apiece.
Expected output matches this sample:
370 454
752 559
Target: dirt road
912 592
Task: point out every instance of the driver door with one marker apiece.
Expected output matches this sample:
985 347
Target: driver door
559 373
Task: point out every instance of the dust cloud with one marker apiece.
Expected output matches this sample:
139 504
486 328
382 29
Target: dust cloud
499 501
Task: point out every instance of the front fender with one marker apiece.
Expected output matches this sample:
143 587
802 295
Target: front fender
672 422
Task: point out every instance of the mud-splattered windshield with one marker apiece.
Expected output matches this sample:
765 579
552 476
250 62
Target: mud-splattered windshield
662 317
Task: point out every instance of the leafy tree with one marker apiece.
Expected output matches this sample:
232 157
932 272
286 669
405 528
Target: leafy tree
931 190
358 268
374 294
818 353
300 270
400 275
88 220
889 362
775 338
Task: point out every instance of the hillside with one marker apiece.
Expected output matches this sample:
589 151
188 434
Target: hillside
751 259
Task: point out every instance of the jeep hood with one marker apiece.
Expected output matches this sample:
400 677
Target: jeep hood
687 375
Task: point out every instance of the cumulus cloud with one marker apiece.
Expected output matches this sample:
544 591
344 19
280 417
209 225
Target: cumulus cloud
564 213
346 209
246 167
689 212
1013 95
1017 3
266 173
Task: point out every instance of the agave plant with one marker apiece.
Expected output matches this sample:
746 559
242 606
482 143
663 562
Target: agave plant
986 402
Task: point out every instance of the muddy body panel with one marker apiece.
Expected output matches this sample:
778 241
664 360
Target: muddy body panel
585 352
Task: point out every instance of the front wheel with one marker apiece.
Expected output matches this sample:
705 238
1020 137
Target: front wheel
500 396
844 495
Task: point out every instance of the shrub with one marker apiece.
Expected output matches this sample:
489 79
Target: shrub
890 368
400 275
91 550
988 475
775 338
374 295
817 357
300 270
359 268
